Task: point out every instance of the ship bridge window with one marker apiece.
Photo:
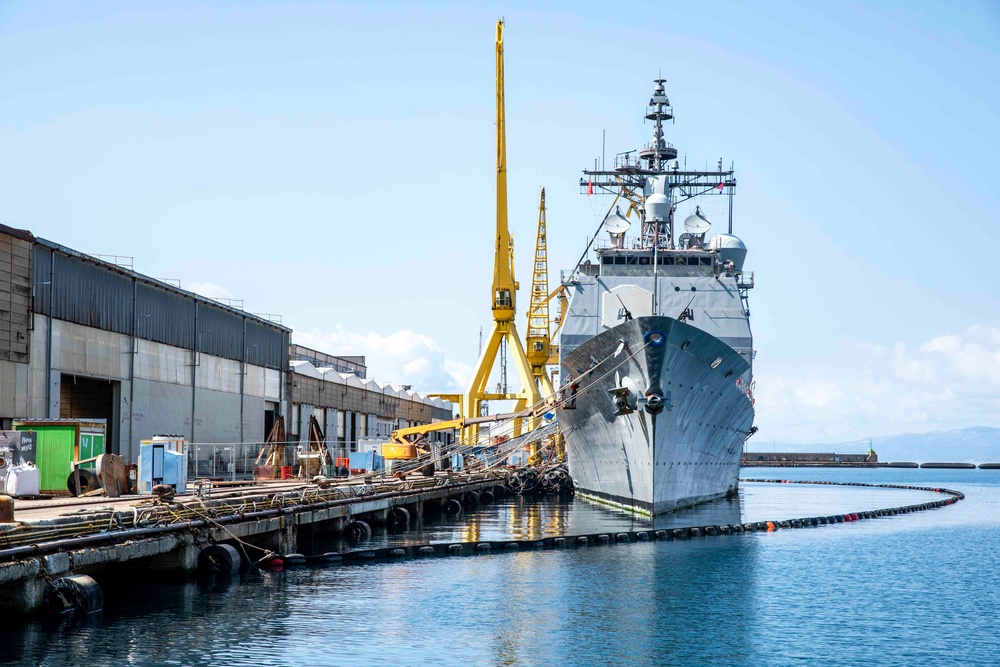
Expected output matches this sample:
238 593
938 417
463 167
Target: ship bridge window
644 260
665 261
706 261
632 260
619 260
607 260
682 261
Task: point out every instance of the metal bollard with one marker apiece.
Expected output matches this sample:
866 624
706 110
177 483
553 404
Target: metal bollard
6 509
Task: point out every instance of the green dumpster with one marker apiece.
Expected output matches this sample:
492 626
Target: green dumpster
58 443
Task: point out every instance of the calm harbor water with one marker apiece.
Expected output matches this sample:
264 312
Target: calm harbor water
910 589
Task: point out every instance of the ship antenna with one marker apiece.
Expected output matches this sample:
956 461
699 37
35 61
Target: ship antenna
658 152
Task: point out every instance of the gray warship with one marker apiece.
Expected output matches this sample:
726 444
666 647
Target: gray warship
656 353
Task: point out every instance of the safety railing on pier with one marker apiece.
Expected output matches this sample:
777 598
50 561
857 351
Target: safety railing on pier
242 461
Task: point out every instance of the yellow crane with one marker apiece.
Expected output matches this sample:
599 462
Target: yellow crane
538 340
504 331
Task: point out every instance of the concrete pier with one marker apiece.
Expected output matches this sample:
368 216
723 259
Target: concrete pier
54 539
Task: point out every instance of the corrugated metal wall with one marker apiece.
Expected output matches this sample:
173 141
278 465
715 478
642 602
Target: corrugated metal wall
263 346
90 293
164 317
82 292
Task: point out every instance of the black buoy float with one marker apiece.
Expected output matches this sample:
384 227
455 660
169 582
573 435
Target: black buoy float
358 530
75 593
219 559
399 520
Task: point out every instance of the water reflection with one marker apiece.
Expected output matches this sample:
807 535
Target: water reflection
680 602
523 518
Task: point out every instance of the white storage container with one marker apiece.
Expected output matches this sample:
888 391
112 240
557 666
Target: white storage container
23 480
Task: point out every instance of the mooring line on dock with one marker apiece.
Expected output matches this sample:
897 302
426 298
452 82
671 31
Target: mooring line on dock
91 529
482 547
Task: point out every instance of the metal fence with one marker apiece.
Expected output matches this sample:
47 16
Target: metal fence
239 461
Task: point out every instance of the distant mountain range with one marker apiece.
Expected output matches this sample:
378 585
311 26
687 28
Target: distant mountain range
976 444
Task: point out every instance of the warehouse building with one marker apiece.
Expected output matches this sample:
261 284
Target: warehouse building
351 408
85 338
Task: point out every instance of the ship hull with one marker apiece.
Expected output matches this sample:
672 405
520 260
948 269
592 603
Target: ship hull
688 453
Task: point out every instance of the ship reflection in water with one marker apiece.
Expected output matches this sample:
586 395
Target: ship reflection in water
519 518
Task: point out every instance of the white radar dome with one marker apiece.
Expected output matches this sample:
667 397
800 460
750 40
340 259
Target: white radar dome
657 208
730 248
697 223
616 223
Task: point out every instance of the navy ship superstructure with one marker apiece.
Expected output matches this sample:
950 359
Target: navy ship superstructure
656 352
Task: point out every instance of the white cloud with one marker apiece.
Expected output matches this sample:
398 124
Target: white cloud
973 357
950 381
402 357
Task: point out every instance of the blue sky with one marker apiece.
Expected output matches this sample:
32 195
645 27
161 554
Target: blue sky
334 163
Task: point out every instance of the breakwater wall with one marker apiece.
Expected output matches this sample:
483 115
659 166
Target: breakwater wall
808 459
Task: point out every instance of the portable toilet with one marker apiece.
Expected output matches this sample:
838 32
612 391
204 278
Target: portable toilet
60 442
163 460
175 470
177 443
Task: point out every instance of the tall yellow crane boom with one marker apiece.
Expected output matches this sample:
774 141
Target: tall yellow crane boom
539 342
504 290
504 285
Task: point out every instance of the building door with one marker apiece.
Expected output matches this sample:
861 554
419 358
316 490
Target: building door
270 409
91 398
